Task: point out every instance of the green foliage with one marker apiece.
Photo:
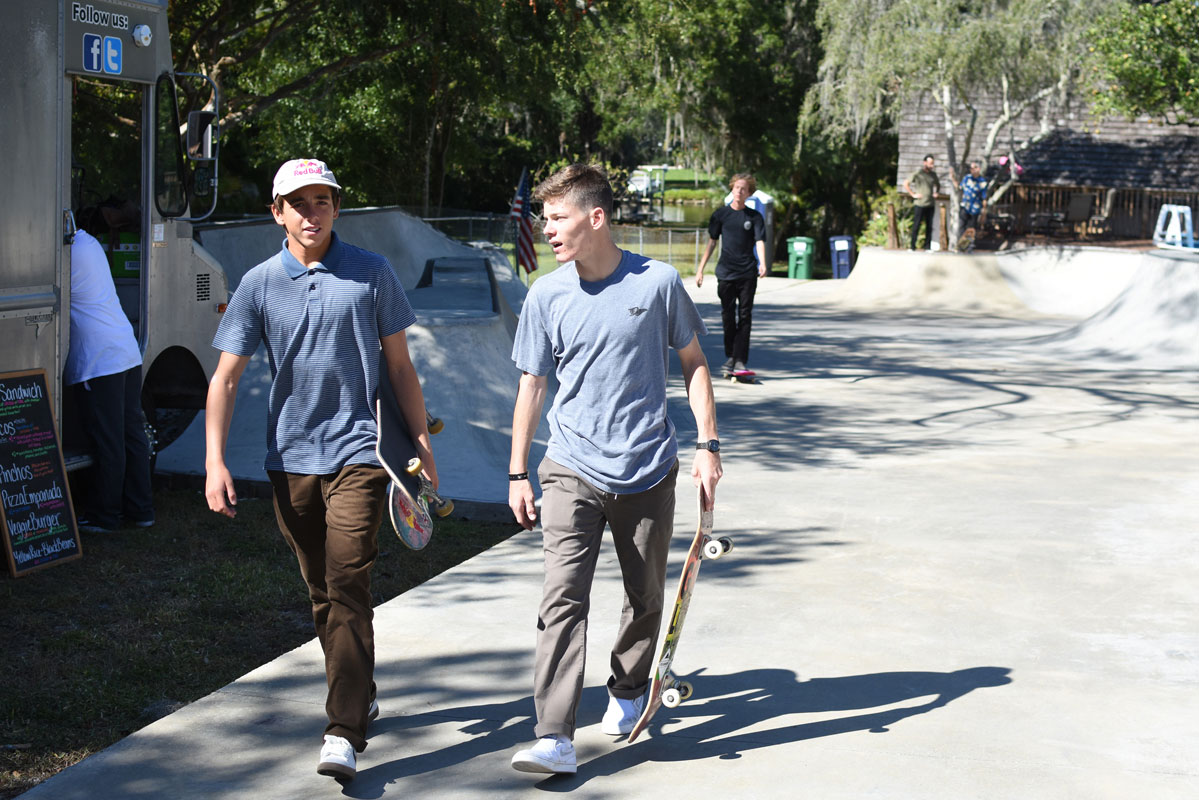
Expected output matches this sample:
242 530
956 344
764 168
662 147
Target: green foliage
1147 62
879 53
706 196
875 232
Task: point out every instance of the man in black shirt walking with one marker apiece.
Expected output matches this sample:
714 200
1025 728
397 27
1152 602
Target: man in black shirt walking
742 261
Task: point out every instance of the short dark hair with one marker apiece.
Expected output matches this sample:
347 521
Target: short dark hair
748 178
583 185
277 201
927 157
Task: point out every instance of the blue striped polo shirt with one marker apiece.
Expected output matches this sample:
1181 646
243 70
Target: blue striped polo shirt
321 327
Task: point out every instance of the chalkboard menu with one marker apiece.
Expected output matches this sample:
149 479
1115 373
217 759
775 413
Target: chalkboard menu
37 521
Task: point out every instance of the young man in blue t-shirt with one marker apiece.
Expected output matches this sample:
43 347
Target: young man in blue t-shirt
323 309
742 261
604 322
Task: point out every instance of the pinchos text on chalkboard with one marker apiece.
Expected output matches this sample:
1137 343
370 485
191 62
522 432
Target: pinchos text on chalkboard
37 520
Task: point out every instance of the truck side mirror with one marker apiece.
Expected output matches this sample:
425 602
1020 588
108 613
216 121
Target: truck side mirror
199 135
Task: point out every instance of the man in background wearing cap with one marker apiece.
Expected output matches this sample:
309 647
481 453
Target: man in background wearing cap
323 308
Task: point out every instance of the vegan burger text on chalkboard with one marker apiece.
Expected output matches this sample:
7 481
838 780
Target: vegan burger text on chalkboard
35 502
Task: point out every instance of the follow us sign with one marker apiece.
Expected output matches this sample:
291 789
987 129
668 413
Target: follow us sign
102 54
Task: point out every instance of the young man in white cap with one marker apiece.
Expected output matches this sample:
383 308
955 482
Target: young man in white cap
323 309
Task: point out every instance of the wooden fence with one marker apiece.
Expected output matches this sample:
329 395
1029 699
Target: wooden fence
1118 213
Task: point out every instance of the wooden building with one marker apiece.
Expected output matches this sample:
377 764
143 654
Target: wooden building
1089 177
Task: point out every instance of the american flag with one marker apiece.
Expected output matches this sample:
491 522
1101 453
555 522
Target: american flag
522 213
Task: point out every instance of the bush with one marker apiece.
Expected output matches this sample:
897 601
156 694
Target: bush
875 232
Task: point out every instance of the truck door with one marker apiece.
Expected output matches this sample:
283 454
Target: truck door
32 329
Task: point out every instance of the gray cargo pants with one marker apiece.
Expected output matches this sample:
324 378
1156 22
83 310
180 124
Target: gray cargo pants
573 516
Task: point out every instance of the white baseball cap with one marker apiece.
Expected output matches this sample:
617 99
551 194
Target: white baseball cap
302 172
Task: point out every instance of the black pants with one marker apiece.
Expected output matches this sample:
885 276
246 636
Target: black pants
736 314
922 215
968 220
119 481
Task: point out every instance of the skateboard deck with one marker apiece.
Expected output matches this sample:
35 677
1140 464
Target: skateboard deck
742 376
665 689
410 495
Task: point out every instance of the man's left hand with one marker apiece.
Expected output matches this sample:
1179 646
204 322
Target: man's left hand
706 471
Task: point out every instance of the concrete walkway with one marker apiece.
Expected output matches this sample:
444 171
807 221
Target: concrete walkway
966 566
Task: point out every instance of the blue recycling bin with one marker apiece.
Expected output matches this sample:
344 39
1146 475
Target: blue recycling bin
841 250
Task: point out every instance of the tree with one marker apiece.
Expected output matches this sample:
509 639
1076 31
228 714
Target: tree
1147 62
1024 55
703 84
402 97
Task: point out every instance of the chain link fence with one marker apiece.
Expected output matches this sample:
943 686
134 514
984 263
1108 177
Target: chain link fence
680 247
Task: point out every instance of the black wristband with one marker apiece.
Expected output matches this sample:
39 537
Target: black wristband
518 476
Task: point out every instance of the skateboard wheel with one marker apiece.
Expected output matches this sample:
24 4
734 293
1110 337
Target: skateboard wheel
686 690
445 509
436 425
726 543
671 698
713 549
413 467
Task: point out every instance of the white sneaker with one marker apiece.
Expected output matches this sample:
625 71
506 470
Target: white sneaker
337 758
552 754
622 715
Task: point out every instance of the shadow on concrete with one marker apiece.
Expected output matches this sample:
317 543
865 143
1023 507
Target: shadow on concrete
745 700
980 381
727 716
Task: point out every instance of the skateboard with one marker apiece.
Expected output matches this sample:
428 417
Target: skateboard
666 689
741 376
410 495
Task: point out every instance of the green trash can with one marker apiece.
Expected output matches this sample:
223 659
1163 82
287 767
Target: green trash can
800 250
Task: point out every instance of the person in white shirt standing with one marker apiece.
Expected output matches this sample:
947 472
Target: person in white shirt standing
104 374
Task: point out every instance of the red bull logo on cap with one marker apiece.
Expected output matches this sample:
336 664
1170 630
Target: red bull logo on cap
300 172
309 167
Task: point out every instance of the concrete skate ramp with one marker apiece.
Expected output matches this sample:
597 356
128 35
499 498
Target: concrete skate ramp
893 279
461 346
1058 281
1152 323
1068 281
407 241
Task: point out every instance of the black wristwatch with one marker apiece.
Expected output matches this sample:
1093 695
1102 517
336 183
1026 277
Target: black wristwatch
712 445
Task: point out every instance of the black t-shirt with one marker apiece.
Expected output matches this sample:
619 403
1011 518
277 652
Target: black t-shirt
740 229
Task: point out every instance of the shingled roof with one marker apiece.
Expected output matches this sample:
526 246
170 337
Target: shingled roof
1082 151
1071 158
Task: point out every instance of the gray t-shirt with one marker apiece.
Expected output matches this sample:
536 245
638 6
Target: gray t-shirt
609 343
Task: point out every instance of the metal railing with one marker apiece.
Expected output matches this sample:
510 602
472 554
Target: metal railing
677 246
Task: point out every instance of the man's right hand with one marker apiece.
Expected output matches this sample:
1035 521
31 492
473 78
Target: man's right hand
218 488
522 503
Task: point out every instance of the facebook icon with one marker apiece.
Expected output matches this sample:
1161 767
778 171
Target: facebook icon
92 52
112 55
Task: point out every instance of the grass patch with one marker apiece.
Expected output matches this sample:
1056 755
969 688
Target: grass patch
150 620
704 196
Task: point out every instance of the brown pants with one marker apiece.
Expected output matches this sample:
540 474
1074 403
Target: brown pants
330 522
573 516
